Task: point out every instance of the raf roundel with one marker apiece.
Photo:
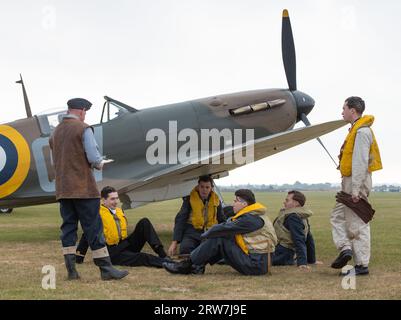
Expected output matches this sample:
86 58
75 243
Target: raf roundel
15 160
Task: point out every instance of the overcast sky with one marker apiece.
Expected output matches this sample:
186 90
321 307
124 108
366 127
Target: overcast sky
149 53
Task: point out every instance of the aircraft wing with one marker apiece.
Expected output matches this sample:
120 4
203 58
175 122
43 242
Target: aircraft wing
177 180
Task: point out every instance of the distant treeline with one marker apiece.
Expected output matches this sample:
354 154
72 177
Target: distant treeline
302 187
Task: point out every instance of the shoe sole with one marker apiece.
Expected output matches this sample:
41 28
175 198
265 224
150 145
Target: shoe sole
173 271
73 277
107 278
176 272
342 263
356 274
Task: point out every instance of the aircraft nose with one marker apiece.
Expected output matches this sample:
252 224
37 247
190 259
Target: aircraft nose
305 103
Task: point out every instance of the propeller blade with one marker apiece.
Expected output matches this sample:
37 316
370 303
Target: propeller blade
288 52
305 119
307 123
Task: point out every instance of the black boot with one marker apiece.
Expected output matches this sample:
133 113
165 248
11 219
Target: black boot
107 271
69 260
79 258
361 270
182 267
198 269
168 260
342 259
358 270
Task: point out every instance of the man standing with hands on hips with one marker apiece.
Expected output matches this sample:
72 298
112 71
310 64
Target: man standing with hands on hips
75 154
359 157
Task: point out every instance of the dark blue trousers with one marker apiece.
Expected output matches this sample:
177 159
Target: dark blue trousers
213 250
128 252
283 256
86 211
190 240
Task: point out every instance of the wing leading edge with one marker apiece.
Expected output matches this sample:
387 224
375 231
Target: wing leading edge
166 183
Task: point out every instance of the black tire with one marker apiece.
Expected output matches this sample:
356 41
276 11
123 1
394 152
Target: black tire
5 210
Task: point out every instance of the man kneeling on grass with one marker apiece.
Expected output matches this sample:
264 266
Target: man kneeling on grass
244 241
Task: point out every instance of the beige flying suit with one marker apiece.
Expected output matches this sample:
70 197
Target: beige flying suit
349 231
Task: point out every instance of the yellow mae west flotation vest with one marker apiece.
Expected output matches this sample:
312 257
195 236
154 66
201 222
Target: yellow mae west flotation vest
203 215
259 241
348 148
114 226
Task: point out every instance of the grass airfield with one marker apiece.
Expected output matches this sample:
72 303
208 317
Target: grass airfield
29 239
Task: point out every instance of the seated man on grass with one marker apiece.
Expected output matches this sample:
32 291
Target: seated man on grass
295 241
124 249
244 241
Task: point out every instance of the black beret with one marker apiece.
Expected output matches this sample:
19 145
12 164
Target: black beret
246 195
79 103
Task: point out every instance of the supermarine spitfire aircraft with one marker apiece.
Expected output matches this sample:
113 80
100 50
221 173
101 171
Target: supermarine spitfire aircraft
26 170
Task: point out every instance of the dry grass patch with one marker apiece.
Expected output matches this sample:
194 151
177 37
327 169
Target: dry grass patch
29 240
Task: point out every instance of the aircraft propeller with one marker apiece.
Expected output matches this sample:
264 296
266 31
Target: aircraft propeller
304 102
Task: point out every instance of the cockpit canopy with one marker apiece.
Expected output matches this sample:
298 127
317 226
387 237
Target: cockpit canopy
49 120
112 109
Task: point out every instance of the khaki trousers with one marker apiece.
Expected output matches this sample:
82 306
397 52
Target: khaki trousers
349 231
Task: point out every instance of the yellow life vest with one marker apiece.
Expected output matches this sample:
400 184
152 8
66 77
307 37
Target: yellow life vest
260 241
198 212
110 227
348 148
